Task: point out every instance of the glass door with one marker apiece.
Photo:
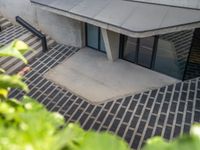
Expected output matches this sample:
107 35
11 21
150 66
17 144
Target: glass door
94 38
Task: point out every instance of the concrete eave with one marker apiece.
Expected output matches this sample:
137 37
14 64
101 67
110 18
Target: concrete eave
135 34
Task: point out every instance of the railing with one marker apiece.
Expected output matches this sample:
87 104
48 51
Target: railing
34 31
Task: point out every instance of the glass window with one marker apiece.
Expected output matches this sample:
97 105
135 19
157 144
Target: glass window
130 49
145 51
166 59
92 36
172 53
102 45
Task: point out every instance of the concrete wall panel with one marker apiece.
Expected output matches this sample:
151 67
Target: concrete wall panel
60 28
12 8
63 30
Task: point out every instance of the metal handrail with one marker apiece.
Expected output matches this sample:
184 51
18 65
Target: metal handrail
34 31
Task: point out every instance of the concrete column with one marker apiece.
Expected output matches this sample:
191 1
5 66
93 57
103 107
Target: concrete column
111 40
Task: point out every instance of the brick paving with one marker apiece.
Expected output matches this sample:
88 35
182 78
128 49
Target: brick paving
168 111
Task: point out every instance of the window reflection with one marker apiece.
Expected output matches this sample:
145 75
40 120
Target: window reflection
145 51
130 48
94 38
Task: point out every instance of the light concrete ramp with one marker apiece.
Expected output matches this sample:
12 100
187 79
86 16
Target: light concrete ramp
90 75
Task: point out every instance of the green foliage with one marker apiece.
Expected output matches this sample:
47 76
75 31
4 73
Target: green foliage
103 141
27 125
14 81
184 142
16 49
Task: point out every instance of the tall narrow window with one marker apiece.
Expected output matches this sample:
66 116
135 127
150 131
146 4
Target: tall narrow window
145 51
94 38
130 49
102 45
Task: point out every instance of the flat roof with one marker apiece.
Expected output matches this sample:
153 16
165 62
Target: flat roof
194 4
127 17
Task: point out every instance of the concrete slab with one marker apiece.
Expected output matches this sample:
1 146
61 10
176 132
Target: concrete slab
90 75
89 8
180 17
61 4
131 18
108 14
153 19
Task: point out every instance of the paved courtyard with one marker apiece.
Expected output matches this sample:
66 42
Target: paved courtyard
90 75
168 111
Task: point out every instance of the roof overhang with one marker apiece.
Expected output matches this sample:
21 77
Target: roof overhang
193 4
134 19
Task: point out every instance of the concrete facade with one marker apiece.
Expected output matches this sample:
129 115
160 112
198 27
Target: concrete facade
111 41
180 3
63 30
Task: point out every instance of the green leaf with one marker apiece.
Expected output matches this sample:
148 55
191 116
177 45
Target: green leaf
21 46
195 130
2 70
101 141
70 136
3 93
186 142
156 143
28 125
16 49
14 81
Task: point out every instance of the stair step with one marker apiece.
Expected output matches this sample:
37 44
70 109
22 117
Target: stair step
11 32
30 57
11 61
23 38
3 20
4 23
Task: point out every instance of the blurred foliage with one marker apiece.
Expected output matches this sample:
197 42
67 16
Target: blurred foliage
27 125
184 142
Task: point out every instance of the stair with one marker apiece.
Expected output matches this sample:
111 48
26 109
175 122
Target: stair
8 34
4 23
